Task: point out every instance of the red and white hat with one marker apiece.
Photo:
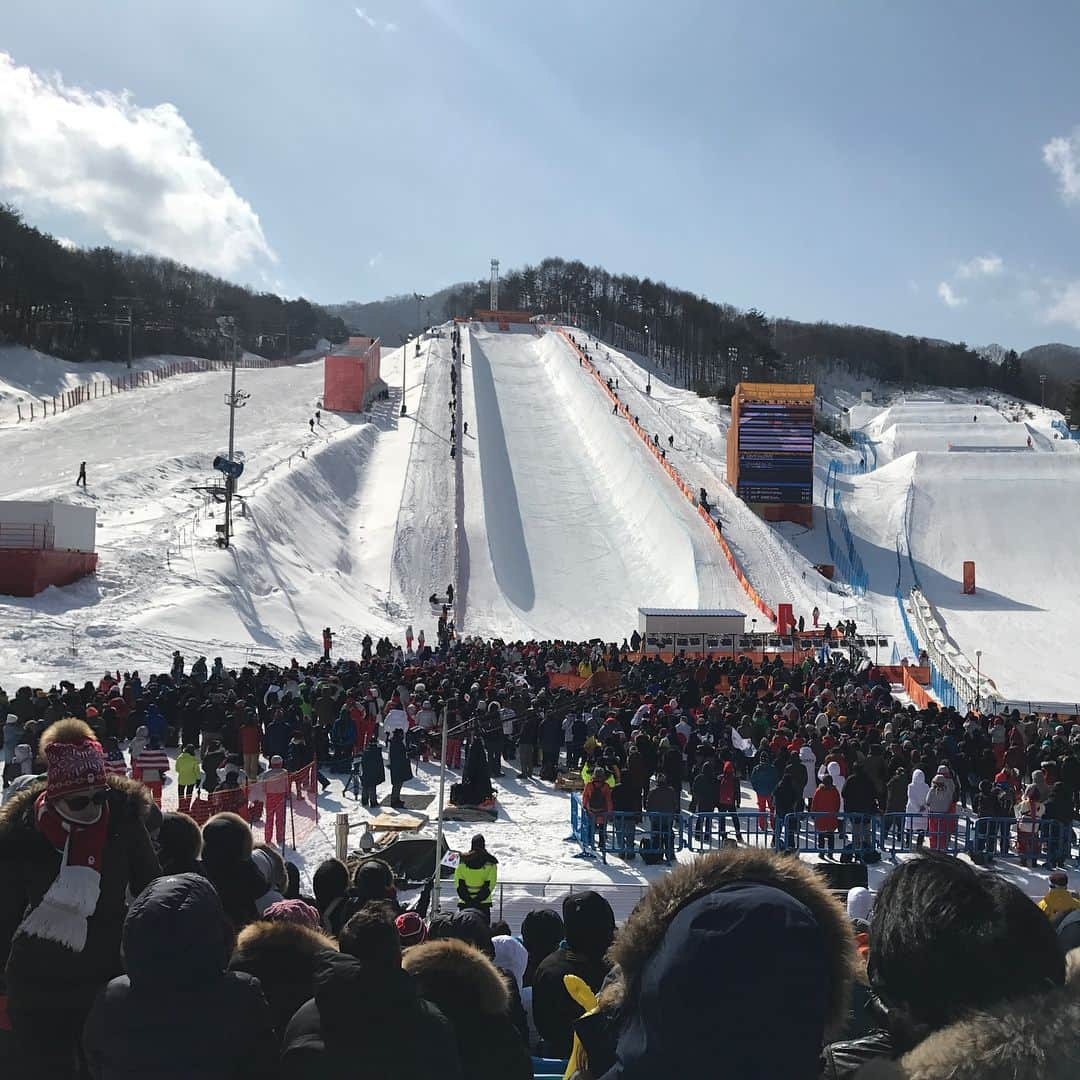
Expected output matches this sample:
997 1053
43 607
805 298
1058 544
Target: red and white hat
74 758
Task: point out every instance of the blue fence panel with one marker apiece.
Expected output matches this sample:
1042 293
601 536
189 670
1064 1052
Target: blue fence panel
928 832
710 832
855 834
624 834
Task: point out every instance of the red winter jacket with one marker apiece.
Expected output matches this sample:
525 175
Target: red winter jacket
826 801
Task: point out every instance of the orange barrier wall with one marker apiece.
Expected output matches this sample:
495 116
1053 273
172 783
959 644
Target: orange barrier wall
344 383
670 469
920 698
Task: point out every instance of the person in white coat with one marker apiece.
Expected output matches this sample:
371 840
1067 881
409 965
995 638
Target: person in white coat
917 792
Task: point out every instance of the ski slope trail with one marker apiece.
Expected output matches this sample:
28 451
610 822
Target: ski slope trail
326 512
570 525
774 566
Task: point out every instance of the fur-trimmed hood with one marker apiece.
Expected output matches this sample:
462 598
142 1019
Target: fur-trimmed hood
457 978
279 946
1033 1036
715 938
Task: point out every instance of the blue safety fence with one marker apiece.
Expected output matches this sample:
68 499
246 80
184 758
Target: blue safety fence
913 832
625 835
848 565
710 832
658 836
868 448
1064 431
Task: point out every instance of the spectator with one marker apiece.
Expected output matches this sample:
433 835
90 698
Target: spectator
175 949
286 952
71 847
465 986
541 931
768 918
330 883
938 914
825 806
1058 900
590 928
400 769
346 1029
275 881
227 851
180 844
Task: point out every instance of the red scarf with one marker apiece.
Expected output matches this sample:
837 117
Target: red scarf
73 896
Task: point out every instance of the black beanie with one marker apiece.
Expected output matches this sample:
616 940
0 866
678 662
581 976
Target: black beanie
589 922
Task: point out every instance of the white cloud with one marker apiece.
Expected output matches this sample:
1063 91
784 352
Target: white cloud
981 266
375 259
946 294
369 20
66 242
138 174
1066 305
1062 156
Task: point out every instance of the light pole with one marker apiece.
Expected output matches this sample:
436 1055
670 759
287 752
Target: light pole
978 680
1042 385
598 326
235 399
648 364
405 339
753 634
420 298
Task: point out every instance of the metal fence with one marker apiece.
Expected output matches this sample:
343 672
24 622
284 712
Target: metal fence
847 835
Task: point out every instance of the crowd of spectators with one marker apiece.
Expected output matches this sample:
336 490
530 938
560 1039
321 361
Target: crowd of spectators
144 944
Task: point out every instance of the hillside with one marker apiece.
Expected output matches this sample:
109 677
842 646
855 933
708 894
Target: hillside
394 316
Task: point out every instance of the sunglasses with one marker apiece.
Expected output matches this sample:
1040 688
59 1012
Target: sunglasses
81 802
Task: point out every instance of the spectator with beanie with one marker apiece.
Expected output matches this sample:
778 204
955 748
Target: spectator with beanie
412 930
476 876
227 851
72 847
175 949
366 1019
590 928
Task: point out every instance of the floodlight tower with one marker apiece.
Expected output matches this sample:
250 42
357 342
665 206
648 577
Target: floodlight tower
494 297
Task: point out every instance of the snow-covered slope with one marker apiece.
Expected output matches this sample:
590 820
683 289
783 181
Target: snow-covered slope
325 512
569 523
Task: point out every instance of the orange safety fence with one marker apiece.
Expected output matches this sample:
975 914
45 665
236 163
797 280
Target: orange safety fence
285 808
920 698
681 484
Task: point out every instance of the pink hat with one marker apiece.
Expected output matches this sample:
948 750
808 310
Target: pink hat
293 911
74 766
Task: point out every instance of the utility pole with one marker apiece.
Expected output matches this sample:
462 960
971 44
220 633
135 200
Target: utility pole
131 335
405 339
1042 384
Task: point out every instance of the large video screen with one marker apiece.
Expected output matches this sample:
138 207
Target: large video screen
776 453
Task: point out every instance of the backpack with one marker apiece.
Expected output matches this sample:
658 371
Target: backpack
596 799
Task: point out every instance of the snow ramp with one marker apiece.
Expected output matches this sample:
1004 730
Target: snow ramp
569 524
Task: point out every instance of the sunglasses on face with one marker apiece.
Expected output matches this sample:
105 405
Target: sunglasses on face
81 802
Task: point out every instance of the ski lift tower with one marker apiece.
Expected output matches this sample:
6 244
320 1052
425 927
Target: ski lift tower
493 299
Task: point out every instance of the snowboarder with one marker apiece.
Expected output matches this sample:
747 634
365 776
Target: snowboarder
318 417
615 409
465 427
81 479
450 594
311 425
671 441
656 439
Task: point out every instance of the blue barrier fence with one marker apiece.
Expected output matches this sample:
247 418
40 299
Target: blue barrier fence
868 448
1063 430
842 550
625 835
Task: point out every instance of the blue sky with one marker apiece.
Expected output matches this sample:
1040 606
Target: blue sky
913 166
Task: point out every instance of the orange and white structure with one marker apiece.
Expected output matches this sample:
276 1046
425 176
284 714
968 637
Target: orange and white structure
43 544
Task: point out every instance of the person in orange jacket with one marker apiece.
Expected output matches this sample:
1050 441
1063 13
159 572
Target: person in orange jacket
596 798
826 802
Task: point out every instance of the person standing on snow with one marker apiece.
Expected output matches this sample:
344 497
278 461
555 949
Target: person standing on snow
475 877
408 638
275 782
81 479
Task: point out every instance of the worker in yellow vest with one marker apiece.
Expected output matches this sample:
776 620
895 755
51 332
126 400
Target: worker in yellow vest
475 877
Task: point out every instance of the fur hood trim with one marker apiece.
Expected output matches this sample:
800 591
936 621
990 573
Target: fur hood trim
67 730
640 937
457 978
280 943
1034 1036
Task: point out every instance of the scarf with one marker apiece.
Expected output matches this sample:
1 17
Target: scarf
72 898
